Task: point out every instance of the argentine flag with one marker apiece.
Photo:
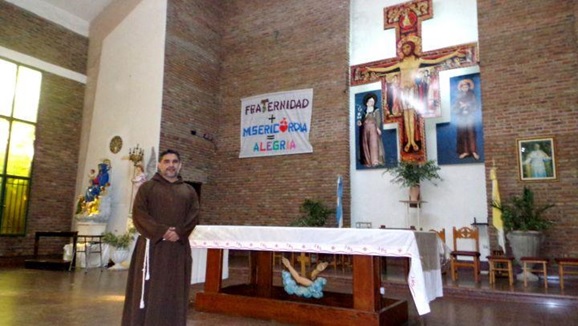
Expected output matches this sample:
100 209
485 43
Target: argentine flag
339 209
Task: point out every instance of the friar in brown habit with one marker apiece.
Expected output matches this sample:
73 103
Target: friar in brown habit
165 212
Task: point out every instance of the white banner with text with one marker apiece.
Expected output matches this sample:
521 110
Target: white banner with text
276 123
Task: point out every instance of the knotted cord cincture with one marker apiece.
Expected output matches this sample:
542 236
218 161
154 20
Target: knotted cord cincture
145 272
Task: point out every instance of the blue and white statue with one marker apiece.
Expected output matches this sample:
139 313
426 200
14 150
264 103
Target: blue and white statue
299 285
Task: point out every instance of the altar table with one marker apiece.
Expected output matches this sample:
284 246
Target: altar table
200 265
365 245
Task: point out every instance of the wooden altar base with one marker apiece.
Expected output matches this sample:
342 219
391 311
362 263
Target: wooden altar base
260 299
332 309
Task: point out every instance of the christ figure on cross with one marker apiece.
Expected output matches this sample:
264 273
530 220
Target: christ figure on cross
411 104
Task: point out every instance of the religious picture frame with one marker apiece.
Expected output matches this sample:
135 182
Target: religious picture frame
536 159
459 130
385 150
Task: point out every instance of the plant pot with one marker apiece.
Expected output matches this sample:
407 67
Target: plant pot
118 256
525 244
414 193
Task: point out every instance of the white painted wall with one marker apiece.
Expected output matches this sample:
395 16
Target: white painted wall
128 99
461 196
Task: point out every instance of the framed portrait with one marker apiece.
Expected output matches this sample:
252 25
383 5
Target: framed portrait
536 159
459 131
375 144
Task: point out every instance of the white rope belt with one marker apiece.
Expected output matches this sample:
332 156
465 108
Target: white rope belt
145 272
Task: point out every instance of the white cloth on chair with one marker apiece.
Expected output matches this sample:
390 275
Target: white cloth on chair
93 260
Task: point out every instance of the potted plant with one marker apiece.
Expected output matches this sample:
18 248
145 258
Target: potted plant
411 174
120 246
521 213
524 223
314 213
118 241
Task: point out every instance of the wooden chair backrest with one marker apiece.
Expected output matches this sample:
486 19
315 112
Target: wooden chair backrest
441 233
468 234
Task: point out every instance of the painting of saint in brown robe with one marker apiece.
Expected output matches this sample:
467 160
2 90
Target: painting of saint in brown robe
165 213
465 108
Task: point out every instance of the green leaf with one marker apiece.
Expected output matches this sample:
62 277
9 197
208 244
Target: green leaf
314 213
410 174
521 213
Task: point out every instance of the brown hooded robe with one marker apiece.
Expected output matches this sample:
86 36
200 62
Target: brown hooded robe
160 204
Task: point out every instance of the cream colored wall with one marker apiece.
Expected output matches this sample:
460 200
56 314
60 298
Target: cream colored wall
124 94
462 194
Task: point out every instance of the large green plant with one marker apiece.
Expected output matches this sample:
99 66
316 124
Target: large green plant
410 174
313 213
119 241
521 213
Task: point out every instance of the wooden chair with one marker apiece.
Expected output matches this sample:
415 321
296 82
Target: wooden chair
444 262
277 255
92 244
441 233
563 265
528 267
465 258
501 264
337 260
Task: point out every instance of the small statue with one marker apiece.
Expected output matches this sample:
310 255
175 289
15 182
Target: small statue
92 177
94 204
152 164
91 193
139 177
103 169
79 205
294 283
94 207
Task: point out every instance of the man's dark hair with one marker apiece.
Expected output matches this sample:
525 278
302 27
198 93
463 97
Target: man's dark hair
169 151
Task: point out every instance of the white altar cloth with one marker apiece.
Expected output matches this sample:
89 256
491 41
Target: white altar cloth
369 242
199 270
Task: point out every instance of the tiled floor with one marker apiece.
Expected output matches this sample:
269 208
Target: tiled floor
39 297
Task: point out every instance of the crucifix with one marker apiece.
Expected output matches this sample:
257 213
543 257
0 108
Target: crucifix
410 82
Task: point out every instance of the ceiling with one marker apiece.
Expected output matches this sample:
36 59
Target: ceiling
75 15
85 9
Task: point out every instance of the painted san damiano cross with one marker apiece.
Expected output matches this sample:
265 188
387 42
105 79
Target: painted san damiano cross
409 84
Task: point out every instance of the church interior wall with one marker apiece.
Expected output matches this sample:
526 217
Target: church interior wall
374 198
127 99
528 64
192 115
266 48
270 48
25 38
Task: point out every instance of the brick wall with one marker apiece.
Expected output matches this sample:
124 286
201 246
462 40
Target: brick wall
58 127
528 68
191 84
262 47
27 33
